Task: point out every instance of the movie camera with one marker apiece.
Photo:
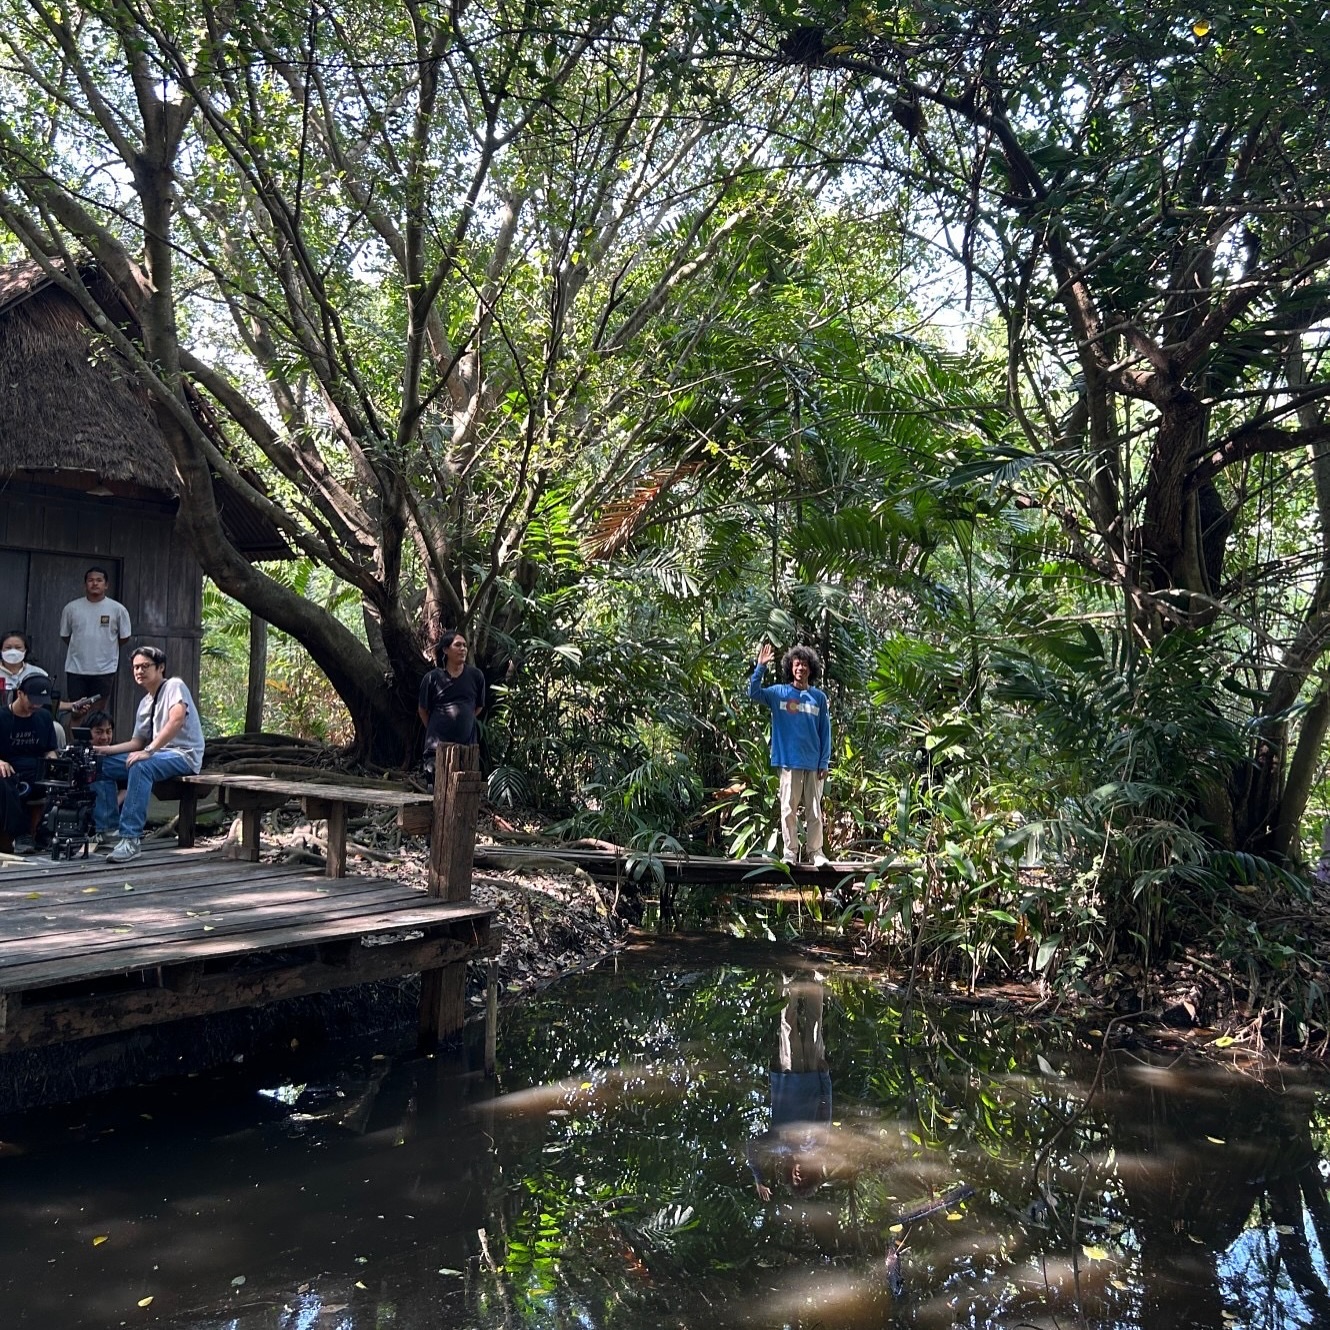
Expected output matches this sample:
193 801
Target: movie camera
67 818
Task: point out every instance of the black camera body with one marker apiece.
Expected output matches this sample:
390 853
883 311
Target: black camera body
68 819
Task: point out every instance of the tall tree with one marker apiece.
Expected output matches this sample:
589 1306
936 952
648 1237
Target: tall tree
1142 196
413 257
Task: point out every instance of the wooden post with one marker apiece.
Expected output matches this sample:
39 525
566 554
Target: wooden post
444 866
250 821
442 1011
257 682
336 838
187 819
457 789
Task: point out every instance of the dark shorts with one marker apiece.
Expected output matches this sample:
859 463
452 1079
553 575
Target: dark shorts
90 685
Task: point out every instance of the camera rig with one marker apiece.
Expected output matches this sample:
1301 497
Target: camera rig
68 816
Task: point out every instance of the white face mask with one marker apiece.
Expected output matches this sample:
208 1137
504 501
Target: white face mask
14 656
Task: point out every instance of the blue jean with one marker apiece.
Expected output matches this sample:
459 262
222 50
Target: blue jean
133 813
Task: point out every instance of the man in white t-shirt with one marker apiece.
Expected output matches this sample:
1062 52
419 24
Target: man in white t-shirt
94 629
168 741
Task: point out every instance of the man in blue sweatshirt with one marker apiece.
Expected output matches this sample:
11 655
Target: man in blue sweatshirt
800 744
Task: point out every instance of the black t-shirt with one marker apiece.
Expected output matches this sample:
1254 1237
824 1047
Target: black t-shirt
25 740
451 705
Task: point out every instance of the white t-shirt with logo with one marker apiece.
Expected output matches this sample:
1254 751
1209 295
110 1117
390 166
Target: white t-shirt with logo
95 631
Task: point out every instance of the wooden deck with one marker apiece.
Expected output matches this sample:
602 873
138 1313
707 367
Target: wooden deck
88 947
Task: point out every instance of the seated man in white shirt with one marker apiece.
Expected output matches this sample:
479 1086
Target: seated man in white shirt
168 741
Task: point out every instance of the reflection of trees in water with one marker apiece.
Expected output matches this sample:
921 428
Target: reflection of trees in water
1217 1174
1168 1186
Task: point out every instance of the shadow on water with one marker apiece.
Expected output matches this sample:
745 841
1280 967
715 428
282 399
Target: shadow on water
679 1139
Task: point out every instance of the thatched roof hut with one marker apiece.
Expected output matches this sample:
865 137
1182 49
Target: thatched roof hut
86 477
69 413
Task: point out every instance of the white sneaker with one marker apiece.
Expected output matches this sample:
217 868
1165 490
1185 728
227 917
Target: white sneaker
820 860
127 849
790 857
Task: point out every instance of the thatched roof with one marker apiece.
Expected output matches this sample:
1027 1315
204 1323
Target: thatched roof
64 408
71 413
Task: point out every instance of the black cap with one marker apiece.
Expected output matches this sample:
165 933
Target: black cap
37 687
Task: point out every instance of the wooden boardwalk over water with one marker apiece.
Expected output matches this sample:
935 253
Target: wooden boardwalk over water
696 870
90 948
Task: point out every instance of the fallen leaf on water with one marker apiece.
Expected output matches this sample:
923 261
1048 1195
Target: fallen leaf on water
1117 1283
145 1302
359 1284
448 1270
954 1214
1215 1140
1095 1253
1286 1229
238 1281
1224 1041
100 1238
897 1228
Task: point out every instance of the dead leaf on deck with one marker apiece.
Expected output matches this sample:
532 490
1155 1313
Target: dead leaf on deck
33 896
145 1302
87 891
100 1238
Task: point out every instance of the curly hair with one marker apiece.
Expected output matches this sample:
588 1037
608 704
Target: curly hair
805 654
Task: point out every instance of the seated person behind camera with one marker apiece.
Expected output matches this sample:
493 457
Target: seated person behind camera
27 735
102 728
168 741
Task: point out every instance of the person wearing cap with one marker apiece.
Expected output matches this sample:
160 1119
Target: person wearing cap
93 629
167 741
27 735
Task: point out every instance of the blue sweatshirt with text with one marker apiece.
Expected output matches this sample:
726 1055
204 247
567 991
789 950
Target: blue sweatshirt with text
800 723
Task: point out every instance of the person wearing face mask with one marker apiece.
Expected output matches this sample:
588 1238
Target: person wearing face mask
14 664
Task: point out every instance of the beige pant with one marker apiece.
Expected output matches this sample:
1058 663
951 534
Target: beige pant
800 789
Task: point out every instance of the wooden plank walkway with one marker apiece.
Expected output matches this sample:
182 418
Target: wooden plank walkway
695 870
88 947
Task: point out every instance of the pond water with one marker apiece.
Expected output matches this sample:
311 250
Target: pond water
684 1138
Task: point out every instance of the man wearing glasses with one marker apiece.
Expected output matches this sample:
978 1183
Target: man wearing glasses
167 741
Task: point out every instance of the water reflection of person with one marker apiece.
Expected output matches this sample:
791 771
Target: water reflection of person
790 1152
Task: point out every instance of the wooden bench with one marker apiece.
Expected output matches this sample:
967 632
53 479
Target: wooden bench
252 796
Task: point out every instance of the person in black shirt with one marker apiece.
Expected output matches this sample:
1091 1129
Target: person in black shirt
27 735
452 696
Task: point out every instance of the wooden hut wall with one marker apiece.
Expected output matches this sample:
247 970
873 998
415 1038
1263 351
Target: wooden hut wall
153 574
